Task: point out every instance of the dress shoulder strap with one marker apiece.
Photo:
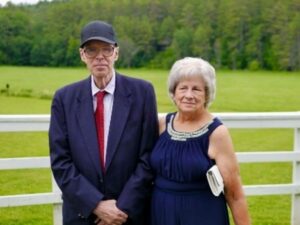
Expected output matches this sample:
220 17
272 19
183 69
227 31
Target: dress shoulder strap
168 117
216 123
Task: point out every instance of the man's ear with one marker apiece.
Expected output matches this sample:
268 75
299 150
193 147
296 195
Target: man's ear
116 54
82 56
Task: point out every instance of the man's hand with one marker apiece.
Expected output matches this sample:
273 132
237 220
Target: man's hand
109 214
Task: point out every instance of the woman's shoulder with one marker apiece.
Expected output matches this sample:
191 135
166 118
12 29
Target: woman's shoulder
163 119
162 123
217 130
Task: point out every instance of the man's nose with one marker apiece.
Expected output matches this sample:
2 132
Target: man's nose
99 54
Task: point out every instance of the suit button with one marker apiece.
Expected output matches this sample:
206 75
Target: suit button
80 216
101 180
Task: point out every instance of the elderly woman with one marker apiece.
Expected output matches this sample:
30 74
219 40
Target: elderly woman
191 141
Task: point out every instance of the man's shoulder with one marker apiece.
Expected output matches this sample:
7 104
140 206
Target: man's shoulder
74 89
74 86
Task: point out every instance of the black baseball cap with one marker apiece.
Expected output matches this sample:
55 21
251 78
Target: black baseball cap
98 30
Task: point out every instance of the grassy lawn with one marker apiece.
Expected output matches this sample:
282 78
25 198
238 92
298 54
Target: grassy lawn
30 92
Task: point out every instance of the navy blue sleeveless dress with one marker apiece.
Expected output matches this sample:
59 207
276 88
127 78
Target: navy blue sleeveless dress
181 193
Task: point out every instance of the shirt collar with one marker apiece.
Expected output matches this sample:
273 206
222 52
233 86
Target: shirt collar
110 87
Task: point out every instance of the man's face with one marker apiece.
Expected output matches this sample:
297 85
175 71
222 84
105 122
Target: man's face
99 58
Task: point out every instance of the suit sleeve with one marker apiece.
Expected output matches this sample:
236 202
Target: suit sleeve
138 187
74 186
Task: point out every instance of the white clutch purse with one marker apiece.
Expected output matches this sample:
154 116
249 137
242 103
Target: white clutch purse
215 180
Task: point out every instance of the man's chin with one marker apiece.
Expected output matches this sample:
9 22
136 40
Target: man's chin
101 73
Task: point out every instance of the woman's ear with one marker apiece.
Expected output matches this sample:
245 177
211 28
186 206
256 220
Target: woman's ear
173 98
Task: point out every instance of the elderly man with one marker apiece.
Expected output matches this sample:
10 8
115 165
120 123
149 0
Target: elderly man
102 131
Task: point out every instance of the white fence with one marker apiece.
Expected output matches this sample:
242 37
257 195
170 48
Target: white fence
18 123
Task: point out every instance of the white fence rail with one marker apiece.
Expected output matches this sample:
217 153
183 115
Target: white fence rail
20 123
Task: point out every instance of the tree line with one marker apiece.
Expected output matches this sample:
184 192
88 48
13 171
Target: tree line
231 34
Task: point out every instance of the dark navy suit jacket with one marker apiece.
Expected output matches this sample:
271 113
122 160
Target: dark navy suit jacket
74 153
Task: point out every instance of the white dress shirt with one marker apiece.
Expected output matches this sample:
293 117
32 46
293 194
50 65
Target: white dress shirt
108 105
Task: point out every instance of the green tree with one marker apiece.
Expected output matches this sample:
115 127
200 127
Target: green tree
16 35
72 55
201 41
234 28
236 34
294 31
182 42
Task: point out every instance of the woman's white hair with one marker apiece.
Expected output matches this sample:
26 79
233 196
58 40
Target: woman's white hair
193 67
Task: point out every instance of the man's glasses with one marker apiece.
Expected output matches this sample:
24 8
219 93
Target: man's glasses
91 52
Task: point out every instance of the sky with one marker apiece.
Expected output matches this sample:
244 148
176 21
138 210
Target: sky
3 2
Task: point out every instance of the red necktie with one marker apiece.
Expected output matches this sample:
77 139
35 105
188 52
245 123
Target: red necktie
99 117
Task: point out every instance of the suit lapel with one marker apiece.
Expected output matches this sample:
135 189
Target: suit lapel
86 121
121 108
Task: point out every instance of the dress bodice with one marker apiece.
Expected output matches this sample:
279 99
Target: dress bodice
183 156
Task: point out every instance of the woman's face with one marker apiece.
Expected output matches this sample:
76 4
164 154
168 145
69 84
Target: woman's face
190 94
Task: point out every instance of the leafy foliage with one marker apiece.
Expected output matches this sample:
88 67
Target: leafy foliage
234 34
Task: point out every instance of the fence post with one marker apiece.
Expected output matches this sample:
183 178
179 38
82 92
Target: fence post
295 217
57 207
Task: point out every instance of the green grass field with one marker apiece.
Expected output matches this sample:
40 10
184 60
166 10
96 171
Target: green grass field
30 91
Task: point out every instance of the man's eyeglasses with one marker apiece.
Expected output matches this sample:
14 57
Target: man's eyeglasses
91 52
